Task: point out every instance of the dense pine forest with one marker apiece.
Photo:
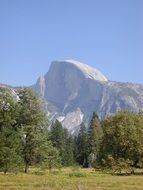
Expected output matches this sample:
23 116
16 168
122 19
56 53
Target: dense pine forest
28 139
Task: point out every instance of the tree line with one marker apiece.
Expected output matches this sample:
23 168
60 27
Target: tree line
27 139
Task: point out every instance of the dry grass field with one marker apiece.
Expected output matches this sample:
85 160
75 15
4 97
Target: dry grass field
69 179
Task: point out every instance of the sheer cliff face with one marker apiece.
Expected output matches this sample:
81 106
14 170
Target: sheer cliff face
72 91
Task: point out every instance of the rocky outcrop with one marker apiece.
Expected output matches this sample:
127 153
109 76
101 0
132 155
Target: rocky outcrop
72 91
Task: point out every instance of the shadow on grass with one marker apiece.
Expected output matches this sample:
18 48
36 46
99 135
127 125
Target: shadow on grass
128 174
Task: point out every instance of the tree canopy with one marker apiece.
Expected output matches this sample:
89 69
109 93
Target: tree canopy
122 139
26 139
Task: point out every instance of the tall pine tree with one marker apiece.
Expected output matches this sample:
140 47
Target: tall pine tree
63 142
68 156
82 146
94 137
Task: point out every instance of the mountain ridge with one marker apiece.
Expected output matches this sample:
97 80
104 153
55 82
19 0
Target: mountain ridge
73 92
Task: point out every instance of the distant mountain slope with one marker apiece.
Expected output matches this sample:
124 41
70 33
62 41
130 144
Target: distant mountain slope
72 91
12 91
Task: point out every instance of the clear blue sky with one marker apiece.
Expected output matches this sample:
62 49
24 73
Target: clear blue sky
106 34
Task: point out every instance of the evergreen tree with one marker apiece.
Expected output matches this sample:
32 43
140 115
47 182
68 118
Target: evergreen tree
10 150
68 158
63 142
34 125
10 141
23 132
82 146
46 156
94 137
57 137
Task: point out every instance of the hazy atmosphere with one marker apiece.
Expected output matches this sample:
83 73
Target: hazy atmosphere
107 35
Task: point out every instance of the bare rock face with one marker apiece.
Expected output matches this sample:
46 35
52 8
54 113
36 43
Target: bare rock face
73 90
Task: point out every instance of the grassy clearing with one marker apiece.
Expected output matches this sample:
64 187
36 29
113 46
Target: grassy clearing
69 179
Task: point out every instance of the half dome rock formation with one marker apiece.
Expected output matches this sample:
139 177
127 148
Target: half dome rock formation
66 81
88 71
72 91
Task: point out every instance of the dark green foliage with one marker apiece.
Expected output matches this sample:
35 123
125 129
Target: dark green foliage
25 139
81 145
68 156
63 142
122 140
10 150
37 148
87 143
10 140
94 138
23 132
57 136
52 158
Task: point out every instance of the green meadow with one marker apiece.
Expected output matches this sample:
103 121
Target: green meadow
70 179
